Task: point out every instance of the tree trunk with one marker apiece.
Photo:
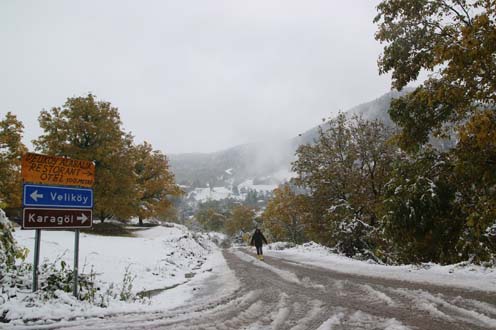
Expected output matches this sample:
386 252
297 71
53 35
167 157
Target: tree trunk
140 221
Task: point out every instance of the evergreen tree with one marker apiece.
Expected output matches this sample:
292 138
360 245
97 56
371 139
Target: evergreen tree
251 197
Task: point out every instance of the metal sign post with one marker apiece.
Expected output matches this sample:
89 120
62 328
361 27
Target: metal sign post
76 262
37 240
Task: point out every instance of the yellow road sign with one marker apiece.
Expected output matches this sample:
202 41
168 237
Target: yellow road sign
37 168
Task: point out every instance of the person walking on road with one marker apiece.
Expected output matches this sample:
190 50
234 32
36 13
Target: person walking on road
258 238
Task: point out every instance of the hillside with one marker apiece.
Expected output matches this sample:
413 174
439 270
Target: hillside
231 166
266 162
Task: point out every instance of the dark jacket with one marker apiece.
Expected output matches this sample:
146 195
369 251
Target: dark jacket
257 238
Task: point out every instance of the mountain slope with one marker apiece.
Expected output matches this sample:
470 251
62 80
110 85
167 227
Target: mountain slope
264 162
232 166
372 110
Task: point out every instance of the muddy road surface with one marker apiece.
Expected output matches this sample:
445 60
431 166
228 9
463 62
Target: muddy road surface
281 294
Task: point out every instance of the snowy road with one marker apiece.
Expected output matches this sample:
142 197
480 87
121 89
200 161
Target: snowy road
280 294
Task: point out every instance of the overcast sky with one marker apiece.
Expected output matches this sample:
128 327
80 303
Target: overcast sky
192 76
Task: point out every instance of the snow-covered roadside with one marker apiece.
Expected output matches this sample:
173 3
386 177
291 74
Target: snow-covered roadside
467 277
160 258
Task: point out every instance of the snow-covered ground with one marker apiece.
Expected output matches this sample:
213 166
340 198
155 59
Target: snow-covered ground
462 276
214 193
181 262
223 192
219 193
159 258
249 185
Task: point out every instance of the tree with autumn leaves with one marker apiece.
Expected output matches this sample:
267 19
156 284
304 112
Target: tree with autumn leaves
428 204
154 182
131 180
393 195
84 128
240 220
287 216
455 43
344 174
11 150
211 218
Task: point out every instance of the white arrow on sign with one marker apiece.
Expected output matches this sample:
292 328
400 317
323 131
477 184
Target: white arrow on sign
34 195
83 218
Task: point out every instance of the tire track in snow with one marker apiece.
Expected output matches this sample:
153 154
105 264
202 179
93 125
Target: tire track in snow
316 307
483 307
361 320
468 313
376 295
285 275
281 312
440 306
332 321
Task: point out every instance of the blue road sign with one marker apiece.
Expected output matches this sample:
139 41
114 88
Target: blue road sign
53 196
